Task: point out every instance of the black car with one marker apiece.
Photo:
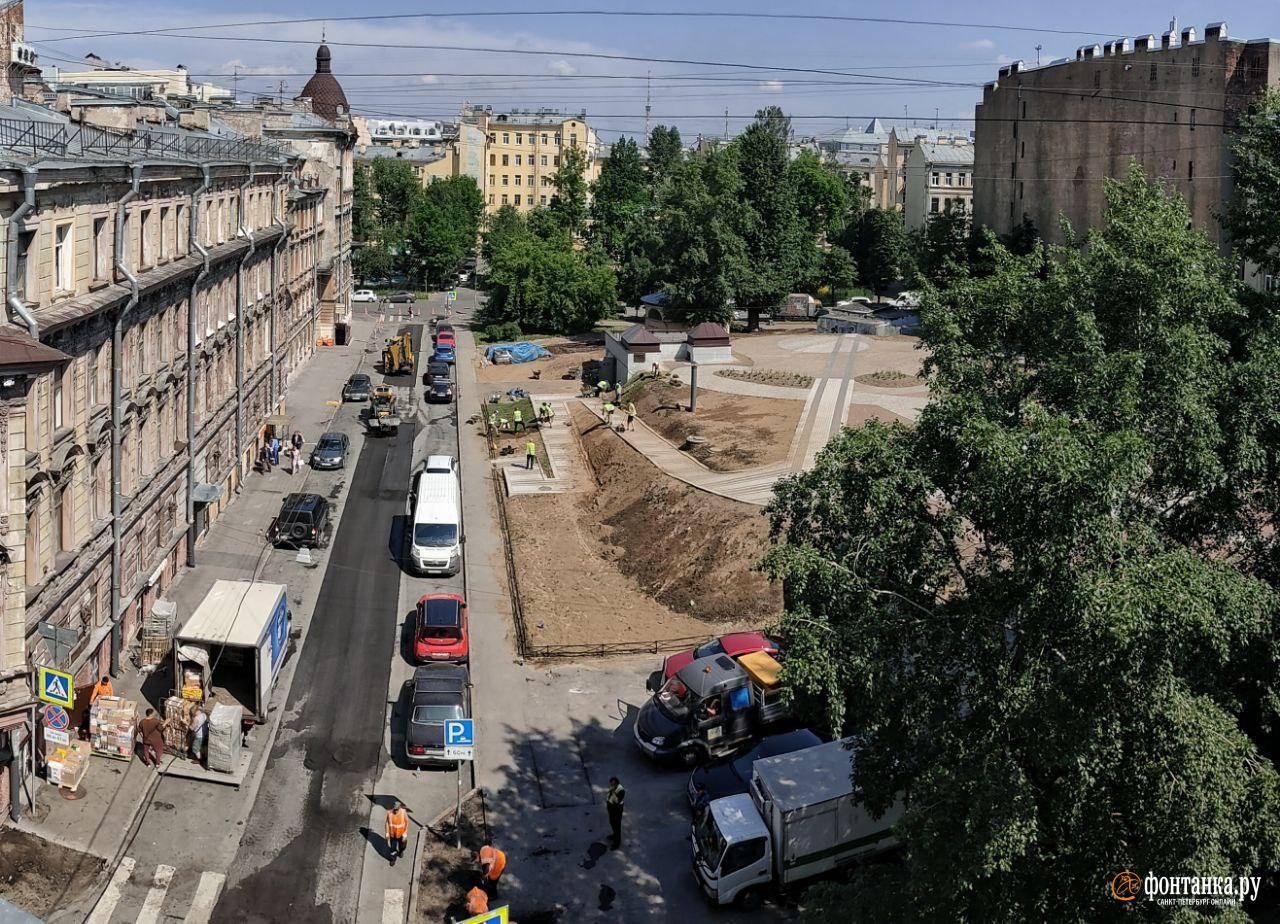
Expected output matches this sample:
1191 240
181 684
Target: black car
402 298
330 451
440 392
732 775
440 692
435 371
358 388
303 521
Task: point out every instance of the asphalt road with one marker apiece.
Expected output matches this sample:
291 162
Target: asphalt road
304 842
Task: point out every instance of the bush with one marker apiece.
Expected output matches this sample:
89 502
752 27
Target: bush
500 333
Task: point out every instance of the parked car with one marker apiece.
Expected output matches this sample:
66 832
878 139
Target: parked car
732 775
735 645
441 465
440 392
402 298
303 521
364 295
440 629
358 388
464 276
330 451
446 336
440 692
442 328
445 353
906 300
435 371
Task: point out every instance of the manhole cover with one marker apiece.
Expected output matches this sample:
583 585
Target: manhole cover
71 795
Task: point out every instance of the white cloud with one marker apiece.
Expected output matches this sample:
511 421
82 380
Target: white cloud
771 86
561 67
984 44
428 78
1004 59
246 70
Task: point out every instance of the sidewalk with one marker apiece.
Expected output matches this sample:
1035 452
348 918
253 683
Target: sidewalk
562 455
115 790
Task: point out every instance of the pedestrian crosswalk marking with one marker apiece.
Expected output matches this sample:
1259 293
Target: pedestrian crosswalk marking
151 908
111 897
206 898
393 906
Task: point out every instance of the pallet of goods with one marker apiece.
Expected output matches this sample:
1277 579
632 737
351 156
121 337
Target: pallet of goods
178 713
157 633
113 724
66 766
225 738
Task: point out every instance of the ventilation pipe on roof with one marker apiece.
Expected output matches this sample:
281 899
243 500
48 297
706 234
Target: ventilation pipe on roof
117 412
28 205
193 243
244 234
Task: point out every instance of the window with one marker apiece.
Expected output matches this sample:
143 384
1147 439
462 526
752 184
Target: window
1191 170
100 259
557 139
62 519
164 234
542 200
1022 151
92 372
1097 79
505 179
506 137
491 196
59 399
493 160
1011 210
144 238
544 137
933 204
1024 108
1195 66
517 179
741 855
543 159
62 257
24 251
1015 130
555 160
504 198
519 140
950 180
1153 72
517 160
506 160
1021 184
573 139
517 196
493 180
531 179
101 501
1193 120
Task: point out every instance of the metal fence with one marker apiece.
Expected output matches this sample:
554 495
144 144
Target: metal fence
35 138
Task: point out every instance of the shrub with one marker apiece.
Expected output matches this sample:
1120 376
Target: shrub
500 333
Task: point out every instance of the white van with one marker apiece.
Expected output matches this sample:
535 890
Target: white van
434 510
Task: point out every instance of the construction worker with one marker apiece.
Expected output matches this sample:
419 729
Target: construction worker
615 801
601 387
477 901
492 864
397 831
530 454
101 688
548 411
608 414
517 420
631 414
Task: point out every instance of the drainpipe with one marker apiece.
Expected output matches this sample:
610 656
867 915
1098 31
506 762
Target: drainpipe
193 243
117 413
15 235
244 234
280 204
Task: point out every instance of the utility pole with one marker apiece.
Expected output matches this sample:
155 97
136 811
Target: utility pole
726 125
1038 47
647 107
935 118
235 83
280 95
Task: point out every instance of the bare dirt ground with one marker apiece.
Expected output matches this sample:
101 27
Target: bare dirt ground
448 872
40 877
581 354
644 558
741 431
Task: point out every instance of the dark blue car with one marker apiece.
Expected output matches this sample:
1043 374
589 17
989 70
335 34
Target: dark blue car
444 353
731 776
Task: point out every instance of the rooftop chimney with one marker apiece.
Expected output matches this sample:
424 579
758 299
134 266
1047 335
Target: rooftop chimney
1188 35
1144 42
1166 40
1215 32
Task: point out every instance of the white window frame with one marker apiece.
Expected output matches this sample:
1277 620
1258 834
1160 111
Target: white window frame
64 257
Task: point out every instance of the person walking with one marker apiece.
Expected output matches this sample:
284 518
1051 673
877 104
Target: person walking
492 864
631 415
297 459
152 740
517 420
615 802
530 454
297 440
275 450
397 831
264 459
199 730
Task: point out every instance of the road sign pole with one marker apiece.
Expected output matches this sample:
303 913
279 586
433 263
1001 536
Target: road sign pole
457 812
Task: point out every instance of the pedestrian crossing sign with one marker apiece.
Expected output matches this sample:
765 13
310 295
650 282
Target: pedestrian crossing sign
452 296
496 916
56 687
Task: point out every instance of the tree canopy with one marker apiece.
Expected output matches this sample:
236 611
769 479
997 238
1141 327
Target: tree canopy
1046 613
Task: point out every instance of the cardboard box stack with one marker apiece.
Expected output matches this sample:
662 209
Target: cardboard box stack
177 723
224 738
66 766
191 686
113 723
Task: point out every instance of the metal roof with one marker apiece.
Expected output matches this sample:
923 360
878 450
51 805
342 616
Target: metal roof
807 777
958 155
708 675
737 817
233 613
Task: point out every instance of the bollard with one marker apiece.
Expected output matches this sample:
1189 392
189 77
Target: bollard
693 387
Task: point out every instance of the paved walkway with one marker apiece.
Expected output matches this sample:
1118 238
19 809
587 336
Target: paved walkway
562 457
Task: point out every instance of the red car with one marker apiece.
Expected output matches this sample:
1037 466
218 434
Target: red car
735 645
445 336
440 629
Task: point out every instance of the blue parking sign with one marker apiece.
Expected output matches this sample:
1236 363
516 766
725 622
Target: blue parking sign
460 733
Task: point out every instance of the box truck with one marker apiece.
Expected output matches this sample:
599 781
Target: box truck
233 646
799 820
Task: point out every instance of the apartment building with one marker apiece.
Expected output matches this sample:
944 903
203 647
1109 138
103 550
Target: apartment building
877 155
938 180
1049 137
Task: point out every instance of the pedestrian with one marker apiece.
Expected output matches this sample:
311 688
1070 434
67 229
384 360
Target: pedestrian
297 459
550 411
264 459
492 864
477 900
631 414
275 450
199 729
517 420
614 802
297 440
530 454
397 831
608 414
152 739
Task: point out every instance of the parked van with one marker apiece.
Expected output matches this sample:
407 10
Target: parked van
434 511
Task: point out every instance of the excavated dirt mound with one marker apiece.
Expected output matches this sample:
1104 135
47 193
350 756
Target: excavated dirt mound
39 876
690 550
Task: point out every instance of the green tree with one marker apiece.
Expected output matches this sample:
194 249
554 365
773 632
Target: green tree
666 152
397 188
881 249
364 207
543 286
442 227
838 271
1036 608
940 249
622 219
821 195
569 204
1252 217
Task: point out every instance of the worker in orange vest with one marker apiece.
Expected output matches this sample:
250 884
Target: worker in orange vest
477 901
101 688
492 864
397 831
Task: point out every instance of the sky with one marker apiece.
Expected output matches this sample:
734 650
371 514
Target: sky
699 73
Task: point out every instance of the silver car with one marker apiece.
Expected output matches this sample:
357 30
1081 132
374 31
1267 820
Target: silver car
330 451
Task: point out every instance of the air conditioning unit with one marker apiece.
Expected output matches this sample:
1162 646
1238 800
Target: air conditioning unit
22 53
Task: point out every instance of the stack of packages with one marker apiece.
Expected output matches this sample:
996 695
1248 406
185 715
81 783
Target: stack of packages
224 738
155 634
112 725
66 766
192 687
177 723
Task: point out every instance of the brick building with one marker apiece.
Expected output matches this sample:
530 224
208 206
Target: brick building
1048 137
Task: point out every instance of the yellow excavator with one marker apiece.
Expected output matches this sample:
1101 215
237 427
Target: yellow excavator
397 355
384 409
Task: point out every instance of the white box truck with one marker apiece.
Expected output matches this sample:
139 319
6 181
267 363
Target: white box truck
799 820
235 644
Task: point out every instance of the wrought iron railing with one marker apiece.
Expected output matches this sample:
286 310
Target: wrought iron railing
34 139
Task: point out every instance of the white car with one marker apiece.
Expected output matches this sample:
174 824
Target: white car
364 295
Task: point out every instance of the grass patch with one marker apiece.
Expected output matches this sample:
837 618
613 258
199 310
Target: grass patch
778 377
889 378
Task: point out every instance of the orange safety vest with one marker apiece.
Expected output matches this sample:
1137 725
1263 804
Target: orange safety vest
493 861
477 901
100 689
398 823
